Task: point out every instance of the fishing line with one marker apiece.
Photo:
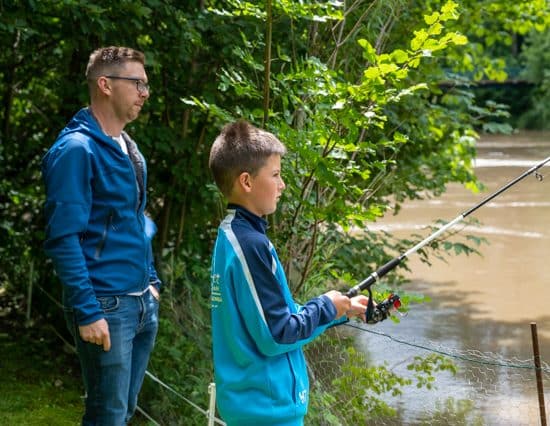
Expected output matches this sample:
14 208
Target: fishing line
383 310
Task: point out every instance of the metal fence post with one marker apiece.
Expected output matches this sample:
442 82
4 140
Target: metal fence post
536 356
212 405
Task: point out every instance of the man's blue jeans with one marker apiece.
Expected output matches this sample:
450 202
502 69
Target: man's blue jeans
113 379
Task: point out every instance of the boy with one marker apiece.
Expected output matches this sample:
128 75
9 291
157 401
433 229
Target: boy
257 329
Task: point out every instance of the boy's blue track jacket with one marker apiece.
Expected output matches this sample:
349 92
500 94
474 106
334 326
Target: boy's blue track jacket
258 330
96 231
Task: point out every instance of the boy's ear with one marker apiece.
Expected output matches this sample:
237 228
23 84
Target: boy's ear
245 181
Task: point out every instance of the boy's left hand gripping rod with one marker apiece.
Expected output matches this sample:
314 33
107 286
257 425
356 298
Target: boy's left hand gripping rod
371 279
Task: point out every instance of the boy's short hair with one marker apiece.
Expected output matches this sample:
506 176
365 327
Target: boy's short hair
110 60
241 147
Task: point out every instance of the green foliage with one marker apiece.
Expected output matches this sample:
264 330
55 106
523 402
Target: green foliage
537 58
355 394
453 412
425 367
451 243
182 356
359 392
373 99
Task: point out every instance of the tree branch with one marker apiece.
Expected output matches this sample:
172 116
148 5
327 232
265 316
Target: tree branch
267 61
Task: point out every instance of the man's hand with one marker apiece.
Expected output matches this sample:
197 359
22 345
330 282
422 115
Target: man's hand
96 333
154 292
341 302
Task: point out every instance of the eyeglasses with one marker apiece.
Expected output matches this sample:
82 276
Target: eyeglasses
141 86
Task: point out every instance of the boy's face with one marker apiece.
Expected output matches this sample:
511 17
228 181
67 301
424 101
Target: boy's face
266 187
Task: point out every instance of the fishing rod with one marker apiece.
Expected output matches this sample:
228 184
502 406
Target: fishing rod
382 310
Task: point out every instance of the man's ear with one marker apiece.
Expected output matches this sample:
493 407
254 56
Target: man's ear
245 181
103 85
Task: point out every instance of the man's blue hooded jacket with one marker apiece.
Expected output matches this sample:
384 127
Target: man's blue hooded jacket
96 231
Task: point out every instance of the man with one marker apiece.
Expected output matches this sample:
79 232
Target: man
100 239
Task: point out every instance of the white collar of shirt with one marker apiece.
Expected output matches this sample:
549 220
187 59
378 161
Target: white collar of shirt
120 140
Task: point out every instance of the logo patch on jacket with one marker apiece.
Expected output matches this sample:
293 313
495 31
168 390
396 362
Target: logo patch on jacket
215 291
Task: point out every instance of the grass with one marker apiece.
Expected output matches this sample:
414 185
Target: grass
38 386
40 382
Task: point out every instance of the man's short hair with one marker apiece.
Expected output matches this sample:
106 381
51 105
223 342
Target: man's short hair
110 60
241 147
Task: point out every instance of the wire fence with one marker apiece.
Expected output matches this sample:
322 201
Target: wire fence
463 386
209 413
427 383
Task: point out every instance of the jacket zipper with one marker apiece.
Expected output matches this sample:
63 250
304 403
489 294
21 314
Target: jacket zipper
140 198
101 244
138 204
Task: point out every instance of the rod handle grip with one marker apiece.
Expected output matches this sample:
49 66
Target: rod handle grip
370 280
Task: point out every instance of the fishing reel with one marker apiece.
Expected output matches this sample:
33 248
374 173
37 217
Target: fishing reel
383 309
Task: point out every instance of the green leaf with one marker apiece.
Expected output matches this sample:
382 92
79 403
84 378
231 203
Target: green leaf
420 37
459 39
399 56
431 19
368 51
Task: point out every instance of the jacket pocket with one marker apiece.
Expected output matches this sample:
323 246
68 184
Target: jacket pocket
294 388
300 382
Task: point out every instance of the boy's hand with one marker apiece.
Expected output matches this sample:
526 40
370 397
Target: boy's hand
358 307
341 303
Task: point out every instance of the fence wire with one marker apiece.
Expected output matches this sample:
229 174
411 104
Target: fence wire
463 387
348 388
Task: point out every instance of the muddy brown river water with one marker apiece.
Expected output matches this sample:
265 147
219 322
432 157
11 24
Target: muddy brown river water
482 304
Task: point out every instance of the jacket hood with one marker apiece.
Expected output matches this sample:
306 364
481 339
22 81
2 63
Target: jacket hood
84 122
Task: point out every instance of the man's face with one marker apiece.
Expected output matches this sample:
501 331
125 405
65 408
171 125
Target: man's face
128 96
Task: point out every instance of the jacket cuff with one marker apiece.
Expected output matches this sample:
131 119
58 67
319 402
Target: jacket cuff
329 311
89 319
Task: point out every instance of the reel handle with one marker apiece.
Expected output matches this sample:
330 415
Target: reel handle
382 310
